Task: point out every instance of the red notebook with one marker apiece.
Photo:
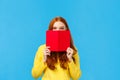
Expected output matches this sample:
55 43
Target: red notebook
58 40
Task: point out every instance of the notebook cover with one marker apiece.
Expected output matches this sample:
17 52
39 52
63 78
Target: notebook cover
58 40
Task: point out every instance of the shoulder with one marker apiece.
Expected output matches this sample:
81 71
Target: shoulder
76 54
40 50
43 46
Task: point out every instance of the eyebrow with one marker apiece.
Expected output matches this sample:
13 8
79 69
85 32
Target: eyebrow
61 26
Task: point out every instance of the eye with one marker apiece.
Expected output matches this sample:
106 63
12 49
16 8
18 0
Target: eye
62 27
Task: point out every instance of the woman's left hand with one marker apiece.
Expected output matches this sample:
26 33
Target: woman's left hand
69 53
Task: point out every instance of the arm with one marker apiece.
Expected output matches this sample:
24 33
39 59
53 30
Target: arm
74 68
39 64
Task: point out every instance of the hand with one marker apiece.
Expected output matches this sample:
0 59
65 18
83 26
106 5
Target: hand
46 52
69 53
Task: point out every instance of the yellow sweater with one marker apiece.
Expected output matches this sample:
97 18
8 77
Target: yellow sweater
40 68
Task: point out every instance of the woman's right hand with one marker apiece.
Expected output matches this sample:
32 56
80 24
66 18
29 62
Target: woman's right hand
46 52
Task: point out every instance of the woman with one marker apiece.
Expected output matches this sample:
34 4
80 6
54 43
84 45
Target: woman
57 65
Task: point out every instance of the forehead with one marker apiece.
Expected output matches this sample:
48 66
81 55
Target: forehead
58 23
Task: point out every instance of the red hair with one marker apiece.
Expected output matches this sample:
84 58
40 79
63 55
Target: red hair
52 59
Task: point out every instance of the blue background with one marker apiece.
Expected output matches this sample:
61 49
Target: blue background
94 24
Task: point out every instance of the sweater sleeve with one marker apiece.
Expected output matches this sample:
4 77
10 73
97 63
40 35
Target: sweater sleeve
74 68
39 66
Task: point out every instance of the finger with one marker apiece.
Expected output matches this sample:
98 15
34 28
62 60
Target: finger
71 50
68 52
47 46
48 54
67 49
47 50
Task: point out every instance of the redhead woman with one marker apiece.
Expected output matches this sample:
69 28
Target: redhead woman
57 65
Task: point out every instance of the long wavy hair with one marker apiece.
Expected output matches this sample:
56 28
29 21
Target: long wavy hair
61 56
